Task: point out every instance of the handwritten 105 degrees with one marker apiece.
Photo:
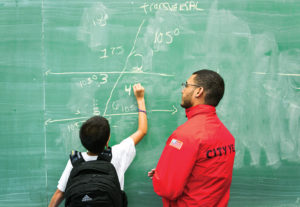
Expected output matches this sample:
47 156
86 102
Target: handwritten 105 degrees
174 7
166 37
98 79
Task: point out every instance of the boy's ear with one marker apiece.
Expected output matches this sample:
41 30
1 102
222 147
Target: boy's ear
107 142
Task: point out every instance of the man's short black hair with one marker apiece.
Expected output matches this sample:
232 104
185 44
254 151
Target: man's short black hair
94 134
213 85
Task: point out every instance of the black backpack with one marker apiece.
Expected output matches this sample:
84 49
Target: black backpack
94 183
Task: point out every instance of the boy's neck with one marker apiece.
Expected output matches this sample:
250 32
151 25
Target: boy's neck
91 154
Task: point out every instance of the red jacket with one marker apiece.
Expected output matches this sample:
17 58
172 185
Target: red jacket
195 168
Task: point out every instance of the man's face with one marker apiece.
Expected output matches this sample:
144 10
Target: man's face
187 93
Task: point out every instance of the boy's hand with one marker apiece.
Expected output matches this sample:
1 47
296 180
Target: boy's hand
138 90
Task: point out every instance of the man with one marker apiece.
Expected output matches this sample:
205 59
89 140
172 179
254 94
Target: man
195 168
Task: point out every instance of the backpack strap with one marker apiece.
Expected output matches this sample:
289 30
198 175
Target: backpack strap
76 158
106 155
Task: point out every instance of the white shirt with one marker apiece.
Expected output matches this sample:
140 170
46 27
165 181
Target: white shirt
122 156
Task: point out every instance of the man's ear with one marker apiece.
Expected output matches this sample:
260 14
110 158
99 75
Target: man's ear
199 92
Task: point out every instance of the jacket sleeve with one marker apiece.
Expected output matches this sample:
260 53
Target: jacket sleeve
174 168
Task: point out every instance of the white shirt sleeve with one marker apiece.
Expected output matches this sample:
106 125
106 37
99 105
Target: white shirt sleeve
122 156
62 183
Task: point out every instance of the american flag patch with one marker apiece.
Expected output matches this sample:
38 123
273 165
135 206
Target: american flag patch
176 144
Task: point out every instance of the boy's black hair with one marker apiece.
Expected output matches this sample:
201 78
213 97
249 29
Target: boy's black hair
213 85
94 134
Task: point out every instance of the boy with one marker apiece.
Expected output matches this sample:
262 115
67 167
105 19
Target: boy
95 135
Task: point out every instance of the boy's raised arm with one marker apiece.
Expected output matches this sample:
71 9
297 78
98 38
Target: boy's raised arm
139 90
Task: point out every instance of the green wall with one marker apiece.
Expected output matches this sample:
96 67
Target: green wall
64 61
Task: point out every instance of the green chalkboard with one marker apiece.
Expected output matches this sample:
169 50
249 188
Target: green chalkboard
62 62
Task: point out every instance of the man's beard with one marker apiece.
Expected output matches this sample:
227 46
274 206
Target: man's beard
186 103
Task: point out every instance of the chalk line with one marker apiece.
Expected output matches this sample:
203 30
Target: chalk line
287 74
127 59
112 72
63 120
281 74
44 89
172 111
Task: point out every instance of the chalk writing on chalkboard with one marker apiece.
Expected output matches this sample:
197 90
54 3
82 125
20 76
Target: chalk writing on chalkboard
97 79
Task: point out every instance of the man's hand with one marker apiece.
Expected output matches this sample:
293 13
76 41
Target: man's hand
151 173
138 90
